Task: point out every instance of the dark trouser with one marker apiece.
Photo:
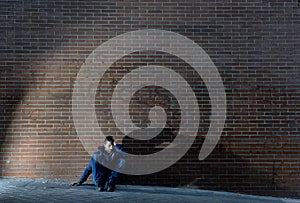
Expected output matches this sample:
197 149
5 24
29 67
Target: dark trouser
101 174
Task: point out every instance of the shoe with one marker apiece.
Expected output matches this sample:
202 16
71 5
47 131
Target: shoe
110 188
101 189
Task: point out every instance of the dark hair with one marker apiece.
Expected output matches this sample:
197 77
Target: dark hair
110 139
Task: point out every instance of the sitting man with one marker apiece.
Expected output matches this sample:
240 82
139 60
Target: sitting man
108 155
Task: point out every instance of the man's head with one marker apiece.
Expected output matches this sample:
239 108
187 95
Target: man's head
109 143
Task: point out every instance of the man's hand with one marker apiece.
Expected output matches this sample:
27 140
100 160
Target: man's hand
75 184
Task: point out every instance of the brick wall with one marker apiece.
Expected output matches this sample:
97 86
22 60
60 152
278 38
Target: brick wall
252 43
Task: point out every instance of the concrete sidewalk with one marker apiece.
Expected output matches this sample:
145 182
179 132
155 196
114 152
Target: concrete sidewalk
29 190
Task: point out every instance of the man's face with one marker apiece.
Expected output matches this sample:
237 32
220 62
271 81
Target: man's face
108 146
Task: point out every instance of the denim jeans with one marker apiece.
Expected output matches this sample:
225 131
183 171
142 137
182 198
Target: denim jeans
101 174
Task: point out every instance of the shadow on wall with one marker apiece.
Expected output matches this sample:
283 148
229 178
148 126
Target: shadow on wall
11 91
222 170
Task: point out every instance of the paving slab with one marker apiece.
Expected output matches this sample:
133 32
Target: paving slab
41 190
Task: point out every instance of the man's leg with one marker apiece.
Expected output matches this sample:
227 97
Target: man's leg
98 174
114 176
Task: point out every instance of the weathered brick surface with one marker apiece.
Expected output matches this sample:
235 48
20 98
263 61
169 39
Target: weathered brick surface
252 43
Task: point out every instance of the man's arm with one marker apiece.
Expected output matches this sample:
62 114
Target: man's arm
75 184
84 176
